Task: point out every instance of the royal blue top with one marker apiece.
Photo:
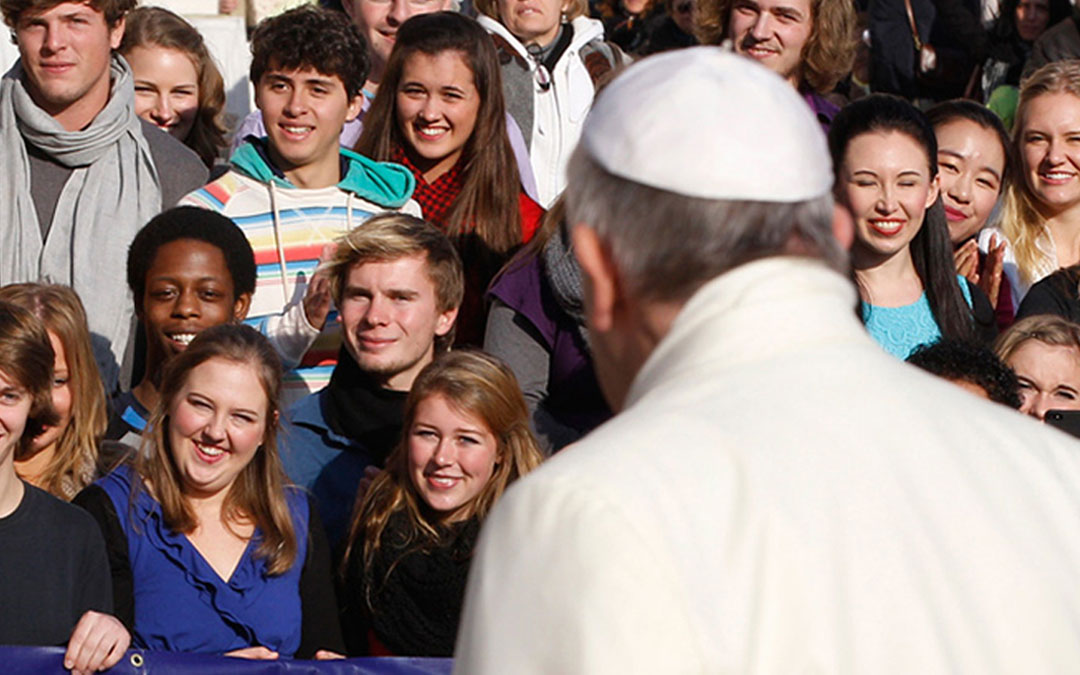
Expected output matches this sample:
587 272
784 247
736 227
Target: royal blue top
901 329
181 604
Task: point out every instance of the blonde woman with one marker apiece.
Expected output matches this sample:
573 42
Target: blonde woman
1041 216
64 458
465 438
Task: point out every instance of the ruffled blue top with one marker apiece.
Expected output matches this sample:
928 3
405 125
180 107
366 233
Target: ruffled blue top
182 604
901 329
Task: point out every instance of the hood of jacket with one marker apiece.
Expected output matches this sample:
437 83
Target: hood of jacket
384 183
585 30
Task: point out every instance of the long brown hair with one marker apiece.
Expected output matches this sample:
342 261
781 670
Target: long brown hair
156 27
26 360
480 385
62 313
487 207
258 493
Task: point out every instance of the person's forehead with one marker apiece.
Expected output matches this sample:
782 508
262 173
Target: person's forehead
801 6
63 9
410 270
301 74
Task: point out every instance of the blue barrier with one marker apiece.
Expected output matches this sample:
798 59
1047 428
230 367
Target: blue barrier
50 660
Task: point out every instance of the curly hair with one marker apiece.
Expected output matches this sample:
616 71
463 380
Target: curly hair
190 222
964 361
311 37
114 10
829 53
152 27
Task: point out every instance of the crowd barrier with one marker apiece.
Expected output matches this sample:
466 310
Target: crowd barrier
50 661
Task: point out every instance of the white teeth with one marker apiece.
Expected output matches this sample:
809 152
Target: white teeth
211 451
1058 176
432 132
442 482
297 130
182 338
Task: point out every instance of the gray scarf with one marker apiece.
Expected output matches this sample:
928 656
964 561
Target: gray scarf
113 190
564 274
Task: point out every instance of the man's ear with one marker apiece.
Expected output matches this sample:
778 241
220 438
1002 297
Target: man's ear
843 226
241 306
445 321
116 33
600 275
355 106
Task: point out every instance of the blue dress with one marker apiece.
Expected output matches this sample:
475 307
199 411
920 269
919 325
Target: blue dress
901 329
181 604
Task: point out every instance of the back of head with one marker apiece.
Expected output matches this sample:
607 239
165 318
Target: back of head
26 362
679 207
311 37
969 362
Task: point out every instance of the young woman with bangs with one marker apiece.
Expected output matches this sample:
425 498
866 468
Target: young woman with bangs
440 112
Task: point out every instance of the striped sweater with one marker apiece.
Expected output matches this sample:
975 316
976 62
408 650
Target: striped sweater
287 228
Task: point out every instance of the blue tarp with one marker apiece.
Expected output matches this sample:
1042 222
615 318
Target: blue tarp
50 660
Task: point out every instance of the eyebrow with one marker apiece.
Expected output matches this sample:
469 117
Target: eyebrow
278 77
953 153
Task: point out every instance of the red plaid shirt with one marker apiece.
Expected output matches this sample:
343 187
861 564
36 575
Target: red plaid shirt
435 199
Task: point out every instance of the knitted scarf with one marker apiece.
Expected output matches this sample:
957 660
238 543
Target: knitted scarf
113 190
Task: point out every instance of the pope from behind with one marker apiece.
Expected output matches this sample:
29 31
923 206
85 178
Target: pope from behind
775 493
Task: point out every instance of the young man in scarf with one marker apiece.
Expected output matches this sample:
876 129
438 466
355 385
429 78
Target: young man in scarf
398 284
82 173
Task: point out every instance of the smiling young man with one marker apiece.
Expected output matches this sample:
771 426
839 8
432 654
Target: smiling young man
807 42
295 190
81 171
398 284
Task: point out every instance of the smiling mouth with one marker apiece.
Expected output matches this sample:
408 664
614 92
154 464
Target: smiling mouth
887 227
181 339
442 482
954 215
1056 177
209 454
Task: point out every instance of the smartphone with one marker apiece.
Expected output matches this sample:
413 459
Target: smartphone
1066 420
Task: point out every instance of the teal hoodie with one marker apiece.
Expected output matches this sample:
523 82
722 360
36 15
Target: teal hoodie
387 184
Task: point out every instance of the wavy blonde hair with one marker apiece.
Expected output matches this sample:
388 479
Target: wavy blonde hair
829 52
478 384
1020 218
61 311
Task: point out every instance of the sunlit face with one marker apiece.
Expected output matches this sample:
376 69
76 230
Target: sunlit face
390 318
379 21
65 53
773 32
437 104
61 397
1049 377
166 88
188 289
885 182
452 456
971 164
1032 17
1050 151
216 423
532 21
304 112
15 404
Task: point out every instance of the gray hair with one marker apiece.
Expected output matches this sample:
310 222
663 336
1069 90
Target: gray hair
667 245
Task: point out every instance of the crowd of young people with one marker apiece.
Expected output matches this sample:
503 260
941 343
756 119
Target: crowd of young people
289 388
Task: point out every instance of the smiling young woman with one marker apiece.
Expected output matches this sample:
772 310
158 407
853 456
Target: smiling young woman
466 438
885 157
204 509
440 112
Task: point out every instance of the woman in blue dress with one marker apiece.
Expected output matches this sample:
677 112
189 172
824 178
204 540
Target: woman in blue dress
885 157
210 550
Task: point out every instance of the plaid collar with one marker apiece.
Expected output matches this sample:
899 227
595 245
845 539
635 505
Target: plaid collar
435 198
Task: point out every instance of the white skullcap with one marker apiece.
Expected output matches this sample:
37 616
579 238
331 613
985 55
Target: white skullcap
704 122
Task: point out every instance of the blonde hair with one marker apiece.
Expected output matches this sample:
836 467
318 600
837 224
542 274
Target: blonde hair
1049 329
60 310
258 492
1020 218
480 385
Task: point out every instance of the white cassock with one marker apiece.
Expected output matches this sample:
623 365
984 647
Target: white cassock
781 496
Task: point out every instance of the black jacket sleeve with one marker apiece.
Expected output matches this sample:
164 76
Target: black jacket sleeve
320 628
983 313
94 500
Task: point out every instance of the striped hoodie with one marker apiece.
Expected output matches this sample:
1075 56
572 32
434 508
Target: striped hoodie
287 228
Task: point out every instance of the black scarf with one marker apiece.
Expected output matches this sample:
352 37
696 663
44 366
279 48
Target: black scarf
358 408
417 608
